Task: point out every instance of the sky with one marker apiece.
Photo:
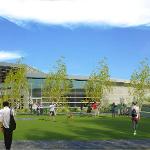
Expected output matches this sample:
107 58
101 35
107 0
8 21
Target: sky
82 31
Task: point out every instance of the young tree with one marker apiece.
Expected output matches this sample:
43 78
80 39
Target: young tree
16 85
56 85
140 82
99 82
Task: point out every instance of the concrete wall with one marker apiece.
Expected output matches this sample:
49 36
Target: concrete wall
118 94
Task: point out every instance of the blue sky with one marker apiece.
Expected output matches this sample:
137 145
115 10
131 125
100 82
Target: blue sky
83 43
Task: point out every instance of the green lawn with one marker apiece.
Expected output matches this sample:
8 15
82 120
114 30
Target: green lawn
79 128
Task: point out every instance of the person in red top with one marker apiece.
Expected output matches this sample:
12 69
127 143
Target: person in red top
95 108
94 105
135 116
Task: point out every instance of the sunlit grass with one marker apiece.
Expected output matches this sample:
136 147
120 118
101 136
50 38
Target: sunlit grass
78 128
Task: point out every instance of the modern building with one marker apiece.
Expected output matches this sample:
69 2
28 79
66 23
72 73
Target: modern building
36 79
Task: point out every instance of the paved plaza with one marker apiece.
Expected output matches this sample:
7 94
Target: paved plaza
83 145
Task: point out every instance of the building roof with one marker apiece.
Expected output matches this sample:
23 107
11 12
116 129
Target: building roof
6 64
31 72
35 73
78 77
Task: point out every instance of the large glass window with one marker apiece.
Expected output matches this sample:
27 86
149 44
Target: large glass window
78 84
36 83
35 87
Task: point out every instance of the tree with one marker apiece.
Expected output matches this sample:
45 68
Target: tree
99 82
140 82
16 85
56 85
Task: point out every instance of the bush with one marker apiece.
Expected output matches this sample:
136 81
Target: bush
105 108
63 110
1 101
75 109
24 110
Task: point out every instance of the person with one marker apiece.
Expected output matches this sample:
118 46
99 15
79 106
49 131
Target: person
135 116
113 110
34 108
52 111
38 109
30 105
95 108
41 109
1 126
5 121
89 108
81 105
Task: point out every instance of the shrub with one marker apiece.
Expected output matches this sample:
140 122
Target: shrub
24 110
75 109
63 109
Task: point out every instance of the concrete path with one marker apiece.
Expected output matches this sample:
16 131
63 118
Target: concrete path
77 145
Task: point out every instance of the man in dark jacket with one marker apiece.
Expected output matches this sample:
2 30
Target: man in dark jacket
6 120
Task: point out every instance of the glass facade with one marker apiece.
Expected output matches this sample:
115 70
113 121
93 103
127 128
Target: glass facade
76 94
35 87
78 84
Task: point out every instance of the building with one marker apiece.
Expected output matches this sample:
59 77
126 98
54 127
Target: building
36 79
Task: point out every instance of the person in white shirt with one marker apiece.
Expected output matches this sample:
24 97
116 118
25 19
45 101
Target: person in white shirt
1 126
135 114
34 108
5 121
1 115
52 110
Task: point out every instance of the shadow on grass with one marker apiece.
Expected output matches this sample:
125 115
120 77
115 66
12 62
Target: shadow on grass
117 128
86 134
81 129
48 135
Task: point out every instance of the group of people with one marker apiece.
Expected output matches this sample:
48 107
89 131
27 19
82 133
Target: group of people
6 112
134 112
120 109
36 108
93 107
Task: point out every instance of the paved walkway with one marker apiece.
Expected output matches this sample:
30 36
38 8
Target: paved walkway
77 145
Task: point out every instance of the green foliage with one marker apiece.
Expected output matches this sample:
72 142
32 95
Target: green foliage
63 110
16 84
99 82
146 100
56 85
1 102
140 82
75 109
105 107
24 110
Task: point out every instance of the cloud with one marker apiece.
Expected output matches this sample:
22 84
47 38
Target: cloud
5 55
122 13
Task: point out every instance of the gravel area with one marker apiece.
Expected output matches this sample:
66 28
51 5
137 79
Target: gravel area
83 145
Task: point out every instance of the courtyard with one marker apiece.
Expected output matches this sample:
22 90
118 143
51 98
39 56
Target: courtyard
79 132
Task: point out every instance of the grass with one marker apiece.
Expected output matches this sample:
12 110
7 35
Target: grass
78 128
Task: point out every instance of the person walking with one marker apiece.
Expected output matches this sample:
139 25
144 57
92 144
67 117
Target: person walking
34 108
95 108
6 121
89 108
135 116
113 110
1 124
52 111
